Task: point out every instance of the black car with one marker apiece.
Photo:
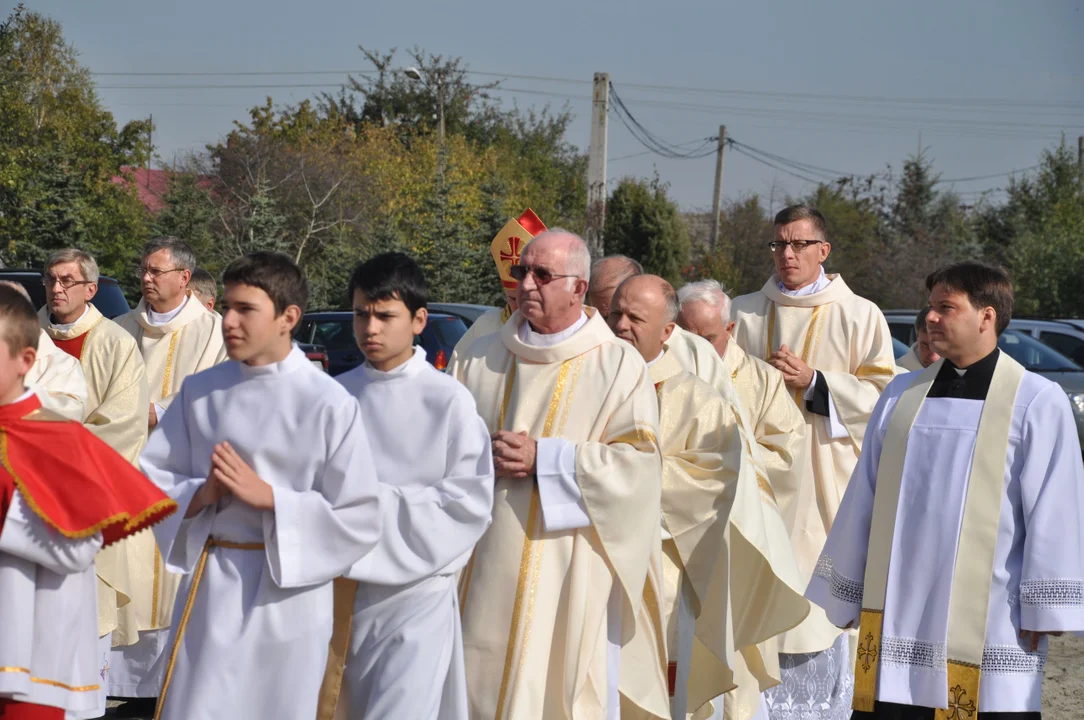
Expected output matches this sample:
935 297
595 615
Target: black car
110 299
334 330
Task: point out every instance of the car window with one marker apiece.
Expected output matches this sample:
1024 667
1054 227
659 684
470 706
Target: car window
110 300
1032 354
334 335
1068 345
902 330
899 349
303 333
447 331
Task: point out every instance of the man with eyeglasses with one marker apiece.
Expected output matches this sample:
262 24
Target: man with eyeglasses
835 352
116 411
556 585
177 337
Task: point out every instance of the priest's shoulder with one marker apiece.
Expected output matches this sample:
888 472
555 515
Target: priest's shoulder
1037 390
113 335
700 392
754 303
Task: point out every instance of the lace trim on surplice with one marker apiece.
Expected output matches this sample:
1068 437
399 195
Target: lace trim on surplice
842 587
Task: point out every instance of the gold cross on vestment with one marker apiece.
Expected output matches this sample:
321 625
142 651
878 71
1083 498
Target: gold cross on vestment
867 652
958 709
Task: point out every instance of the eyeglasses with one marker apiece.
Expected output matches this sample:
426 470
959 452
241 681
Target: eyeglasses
156 273
65 282
796 245
542 276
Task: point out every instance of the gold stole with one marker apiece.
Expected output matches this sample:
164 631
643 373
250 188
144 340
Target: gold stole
969 597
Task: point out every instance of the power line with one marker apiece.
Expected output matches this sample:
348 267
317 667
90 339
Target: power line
650 140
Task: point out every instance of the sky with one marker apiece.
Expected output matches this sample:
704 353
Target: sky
982 86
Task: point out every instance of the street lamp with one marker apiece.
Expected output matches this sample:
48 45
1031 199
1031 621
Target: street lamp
415 74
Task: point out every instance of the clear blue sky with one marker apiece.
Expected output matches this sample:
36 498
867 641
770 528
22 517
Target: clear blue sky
1026 57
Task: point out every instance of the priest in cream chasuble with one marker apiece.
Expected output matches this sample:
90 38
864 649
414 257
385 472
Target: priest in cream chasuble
958 546
116 405
835 352
177 337
721 592
561 588
506 249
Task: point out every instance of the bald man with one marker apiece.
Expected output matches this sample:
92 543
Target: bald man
555 588
777 423
710 492
606 275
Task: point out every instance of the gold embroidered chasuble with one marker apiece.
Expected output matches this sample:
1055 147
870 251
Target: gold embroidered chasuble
777 423
488 323
117 404
57 379
535 603
187 344
846 339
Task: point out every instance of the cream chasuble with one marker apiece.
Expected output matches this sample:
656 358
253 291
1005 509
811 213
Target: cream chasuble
845 339
910 361
719 547
777 424
58 380
492 321
189 343
117 404
537 603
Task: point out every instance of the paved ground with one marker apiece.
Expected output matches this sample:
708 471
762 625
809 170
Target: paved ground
1063 690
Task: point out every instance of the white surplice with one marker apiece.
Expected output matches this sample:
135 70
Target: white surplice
57 379
49 604
1038 574
256 640
433 457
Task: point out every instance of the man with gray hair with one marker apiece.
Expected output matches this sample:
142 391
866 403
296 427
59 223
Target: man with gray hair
116 411
606 274
204 287
778 425
556 585
177 337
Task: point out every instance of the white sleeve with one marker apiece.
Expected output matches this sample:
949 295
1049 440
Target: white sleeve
314 536
836 429
159 411
433 529
562 502
26 536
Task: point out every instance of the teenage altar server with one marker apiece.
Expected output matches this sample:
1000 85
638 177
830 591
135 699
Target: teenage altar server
958 546
432 453
63 495
269 459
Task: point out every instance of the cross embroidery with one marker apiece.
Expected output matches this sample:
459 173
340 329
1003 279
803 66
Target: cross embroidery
958 709
867 652
511 255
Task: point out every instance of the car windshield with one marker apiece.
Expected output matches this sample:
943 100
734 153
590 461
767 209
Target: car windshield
1033 355
447 330
335 334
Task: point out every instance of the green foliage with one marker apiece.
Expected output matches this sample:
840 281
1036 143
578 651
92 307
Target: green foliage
643 223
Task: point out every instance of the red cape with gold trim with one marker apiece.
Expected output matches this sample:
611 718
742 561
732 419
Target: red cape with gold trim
72 480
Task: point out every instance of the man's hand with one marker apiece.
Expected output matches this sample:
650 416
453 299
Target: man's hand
514 454
152 419
240 479
1034 637
209 493
796 374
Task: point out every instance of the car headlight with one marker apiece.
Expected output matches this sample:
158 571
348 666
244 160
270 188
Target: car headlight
1077 401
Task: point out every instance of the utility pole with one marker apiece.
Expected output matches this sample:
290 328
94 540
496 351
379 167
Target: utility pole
717 199
1080 159
440 125
596 165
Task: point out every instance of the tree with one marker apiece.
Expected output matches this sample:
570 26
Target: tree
644 224
59 153
190 214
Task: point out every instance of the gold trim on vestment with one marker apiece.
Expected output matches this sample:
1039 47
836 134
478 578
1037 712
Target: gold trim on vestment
963 692
506 313
872 371
189 602
771 330
345 593
866 660
54 683
812 336
766 488
168 374
634 436
531 556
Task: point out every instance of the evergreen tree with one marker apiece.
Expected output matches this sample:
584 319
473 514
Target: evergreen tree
644 224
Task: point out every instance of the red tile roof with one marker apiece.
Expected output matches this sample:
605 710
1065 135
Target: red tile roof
152 186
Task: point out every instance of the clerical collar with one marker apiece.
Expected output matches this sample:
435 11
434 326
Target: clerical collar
25 396
157 318
973 384
816 286
530 337
64 327
416 362
663 352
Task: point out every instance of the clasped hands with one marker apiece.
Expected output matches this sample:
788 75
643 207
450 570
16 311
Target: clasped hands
230 475
796 373
514 454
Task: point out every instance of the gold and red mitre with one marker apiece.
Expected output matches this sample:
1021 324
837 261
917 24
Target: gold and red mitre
510 242
70 479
